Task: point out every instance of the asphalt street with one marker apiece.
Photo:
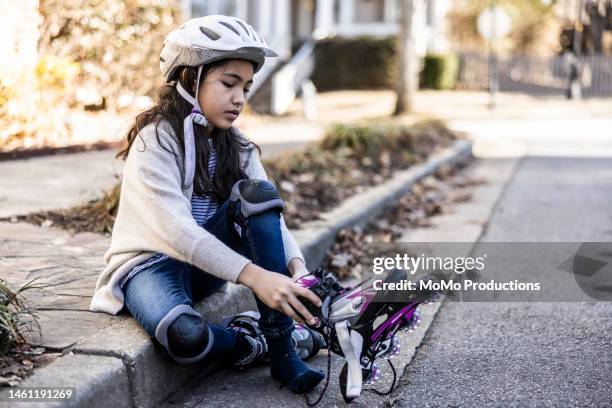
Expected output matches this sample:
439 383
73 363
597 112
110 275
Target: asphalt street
498 354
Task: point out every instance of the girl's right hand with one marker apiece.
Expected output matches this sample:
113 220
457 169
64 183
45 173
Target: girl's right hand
279 292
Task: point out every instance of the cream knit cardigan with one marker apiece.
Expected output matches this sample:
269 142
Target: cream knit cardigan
154 216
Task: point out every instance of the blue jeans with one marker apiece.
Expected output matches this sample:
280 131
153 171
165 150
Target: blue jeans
152 293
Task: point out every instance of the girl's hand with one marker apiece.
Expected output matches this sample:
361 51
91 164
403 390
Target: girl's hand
279 292
297 269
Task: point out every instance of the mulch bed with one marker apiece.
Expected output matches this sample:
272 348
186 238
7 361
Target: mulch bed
320 178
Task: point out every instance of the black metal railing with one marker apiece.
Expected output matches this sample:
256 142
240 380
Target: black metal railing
546 76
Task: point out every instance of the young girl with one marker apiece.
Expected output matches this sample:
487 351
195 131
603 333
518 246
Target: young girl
196 211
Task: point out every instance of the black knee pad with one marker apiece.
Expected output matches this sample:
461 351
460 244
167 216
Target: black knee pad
188 336
255 196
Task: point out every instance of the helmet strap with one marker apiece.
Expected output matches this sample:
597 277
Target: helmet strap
198 117
193 101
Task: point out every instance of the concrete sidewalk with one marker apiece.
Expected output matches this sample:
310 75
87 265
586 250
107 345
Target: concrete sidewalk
110 359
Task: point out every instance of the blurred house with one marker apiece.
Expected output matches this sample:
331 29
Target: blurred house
349 18
271 19
292 27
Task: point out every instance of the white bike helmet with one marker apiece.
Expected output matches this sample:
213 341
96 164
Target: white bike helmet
201 41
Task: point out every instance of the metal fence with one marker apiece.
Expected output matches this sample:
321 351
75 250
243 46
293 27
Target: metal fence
538 76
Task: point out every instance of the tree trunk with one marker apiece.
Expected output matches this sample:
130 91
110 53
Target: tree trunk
406 83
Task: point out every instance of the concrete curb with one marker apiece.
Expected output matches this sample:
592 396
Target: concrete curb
146 376
99 381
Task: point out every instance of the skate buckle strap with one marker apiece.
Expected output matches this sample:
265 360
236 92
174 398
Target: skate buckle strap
351 344
247 324
257 350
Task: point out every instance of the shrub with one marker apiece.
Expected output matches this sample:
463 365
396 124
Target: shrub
439 71
370 63
115 42
355 63
395 142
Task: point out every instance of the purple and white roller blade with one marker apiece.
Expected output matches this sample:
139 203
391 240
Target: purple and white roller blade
350 320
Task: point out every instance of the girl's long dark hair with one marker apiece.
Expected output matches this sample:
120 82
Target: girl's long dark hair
172 107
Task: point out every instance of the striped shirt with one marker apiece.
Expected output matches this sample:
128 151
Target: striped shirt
202 208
